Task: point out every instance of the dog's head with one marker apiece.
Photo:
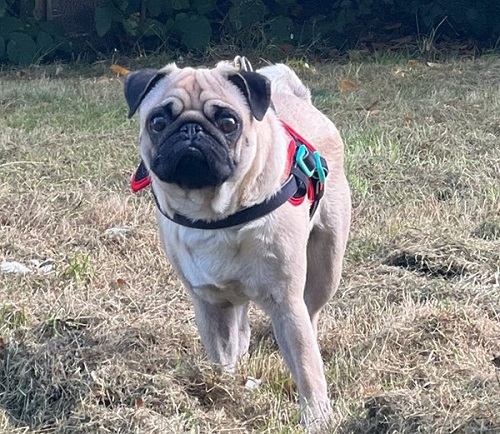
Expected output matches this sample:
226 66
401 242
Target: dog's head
196 123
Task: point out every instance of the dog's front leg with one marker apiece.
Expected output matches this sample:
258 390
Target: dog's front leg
224 330
297 341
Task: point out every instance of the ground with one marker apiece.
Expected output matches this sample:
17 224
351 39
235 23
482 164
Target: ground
105 340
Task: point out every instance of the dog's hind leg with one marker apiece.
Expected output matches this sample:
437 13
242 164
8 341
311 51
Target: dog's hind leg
323 274
224 330
325 254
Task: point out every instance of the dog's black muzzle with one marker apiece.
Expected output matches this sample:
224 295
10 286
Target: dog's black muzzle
192 158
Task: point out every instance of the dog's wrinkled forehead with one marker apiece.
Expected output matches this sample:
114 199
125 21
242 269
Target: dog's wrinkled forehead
194 89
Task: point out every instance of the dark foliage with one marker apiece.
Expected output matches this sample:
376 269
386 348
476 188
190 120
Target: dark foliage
191 25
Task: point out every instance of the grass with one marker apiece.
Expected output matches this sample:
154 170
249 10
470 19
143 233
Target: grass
107 342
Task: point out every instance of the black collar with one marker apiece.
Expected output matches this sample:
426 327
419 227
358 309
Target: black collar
294 186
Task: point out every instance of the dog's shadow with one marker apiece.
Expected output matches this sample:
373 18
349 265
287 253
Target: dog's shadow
63 373
35 390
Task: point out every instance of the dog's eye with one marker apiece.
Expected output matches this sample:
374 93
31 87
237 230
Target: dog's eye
157 123
227 124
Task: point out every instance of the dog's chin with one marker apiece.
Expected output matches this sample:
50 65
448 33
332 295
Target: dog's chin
192 170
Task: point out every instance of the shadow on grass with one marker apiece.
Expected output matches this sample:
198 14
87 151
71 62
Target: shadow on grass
64 377
41 384
51 374
380 415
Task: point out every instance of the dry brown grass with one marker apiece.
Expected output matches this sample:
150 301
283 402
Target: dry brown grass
107 342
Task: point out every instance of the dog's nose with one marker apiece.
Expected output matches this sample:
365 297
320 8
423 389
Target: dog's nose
191 129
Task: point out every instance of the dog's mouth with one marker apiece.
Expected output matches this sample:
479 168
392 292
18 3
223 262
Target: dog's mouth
193 162
192 171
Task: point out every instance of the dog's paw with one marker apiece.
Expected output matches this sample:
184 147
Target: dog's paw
316 416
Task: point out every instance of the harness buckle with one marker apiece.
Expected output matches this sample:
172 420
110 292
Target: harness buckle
301 158
321 167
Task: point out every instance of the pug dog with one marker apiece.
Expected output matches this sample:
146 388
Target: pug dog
238 219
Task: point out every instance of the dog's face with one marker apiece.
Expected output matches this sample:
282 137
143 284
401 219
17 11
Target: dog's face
195 123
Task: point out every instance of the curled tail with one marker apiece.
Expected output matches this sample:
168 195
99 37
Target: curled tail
284 80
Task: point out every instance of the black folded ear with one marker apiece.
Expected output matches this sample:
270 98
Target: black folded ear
257 91
137 85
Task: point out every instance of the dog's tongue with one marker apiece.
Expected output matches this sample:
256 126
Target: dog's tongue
140 179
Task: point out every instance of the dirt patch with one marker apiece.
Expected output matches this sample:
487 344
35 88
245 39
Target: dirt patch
444 258
427 265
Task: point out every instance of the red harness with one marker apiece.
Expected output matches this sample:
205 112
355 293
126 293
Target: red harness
295 141
140 179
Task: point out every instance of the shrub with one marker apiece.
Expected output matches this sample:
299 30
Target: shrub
24 40
246 25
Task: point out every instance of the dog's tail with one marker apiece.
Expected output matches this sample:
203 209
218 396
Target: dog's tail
284 80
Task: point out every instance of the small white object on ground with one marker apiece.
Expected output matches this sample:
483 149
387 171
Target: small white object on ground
117 231
14 267
45 267
252 383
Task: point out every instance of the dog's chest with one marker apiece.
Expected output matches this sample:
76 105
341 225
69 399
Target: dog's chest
222 265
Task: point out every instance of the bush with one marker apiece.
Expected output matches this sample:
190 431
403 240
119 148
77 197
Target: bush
254 24
247 25
24 40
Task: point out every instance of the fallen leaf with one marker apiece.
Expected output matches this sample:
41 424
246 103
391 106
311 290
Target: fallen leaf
120 70
371 390
139 403
413 62
121 282
408 120
434 65
346 85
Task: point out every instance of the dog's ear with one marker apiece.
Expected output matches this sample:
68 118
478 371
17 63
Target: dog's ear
257 91
138 84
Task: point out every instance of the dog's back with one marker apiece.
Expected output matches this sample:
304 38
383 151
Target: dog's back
293 104
284 80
